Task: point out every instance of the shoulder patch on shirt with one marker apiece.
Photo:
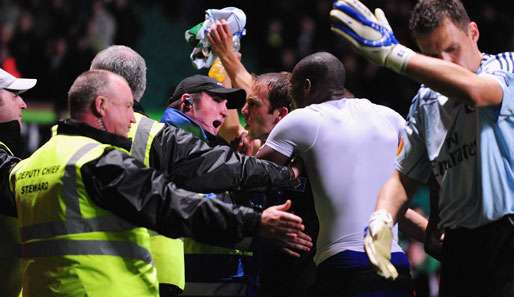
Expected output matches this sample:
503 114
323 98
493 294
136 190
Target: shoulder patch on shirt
399 149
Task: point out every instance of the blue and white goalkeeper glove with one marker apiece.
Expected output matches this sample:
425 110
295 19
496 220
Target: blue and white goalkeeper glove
370 34
377 243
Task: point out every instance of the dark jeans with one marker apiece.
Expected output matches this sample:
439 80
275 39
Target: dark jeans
343 276
283 276
479 262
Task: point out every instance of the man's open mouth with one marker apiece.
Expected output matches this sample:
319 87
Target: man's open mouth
217 123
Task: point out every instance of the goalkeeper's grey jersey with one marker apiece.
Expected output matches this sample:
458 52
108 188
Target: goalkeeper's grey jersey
470 150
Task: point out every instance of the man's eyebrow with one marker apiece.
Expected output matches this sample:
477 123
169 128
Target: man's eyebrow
218 98
15 92
254 99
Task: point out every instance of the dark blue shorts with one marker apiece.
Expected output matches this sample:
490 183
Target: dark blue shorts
350 273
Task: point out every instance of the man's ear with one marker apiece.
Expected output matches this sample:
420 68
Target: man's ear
282 112
186 102
473 31
307 86
99 106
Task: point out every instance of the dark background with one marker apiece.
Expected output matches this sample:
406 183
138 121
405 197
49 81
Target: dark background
55 40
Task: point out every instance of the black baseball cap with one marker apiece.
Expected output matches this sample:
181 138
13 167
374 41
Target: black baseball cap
197 83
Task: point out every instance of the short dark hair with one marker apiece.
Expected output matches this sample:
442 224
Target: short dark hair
326 74
84 90
428 15
277 85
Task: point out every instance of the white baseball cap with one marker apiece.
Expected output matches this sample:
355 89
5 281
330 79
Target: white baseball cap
9 82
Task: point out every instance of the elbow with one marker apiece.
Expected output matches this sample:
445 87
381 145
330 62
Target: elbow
483 96
486 102
479 100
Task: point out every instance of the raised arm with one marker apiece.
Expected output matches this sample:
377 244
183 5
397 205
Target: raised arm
220 39
454 81
372 37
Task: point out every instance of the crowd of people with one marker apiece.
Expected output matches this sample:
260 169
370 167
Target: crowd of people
56 40
305 199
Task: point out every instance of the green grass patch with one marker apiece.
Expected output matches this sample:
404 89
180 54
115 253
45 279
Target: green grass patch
39 116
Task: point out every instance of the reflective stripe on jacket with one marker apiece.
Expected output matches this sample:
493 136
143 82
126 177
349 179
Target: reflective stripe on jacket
5 148
168 254
71 246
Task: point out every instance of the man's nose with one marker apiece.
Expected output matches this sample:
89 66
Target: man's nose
244 110
22 103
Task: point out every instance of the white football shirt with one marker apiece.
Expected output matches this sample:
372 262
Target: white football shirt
349 150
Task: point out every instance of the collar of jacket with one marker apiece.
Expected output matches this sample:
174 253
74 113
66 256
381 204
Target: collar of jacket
74 127
10 135
180 120
139 108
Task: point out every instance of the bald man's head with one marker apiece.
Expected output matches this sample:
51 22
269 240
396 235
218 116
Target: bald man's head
317 78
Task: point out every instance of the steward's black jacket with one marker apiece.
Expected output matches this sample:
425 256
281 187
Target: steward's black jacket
197 166
9 143
146 197
7 162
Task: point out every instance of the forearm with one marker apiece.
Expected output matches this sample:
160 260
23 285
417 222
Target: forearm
146 198
190 162
194 165
220 39
222 169
454 81
185 214
413 225
231 128
238 74
378 44
395 193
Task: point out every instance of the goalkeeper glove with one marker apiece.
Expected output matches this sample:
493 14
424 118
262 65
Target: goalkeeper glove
370 34
377 243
